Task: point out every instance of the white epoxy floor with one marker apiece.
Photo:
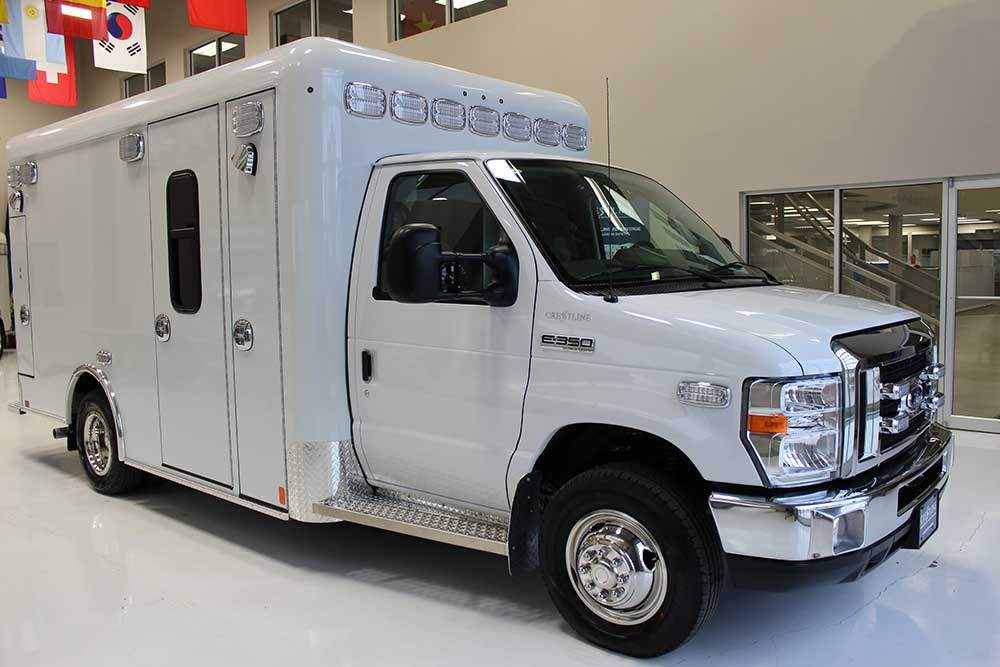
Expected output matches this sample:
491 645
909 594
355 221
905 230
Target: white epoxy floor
172 577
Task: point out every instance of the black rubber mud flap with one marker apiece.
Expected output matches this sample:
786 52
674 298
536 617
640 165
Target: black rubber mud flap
525 526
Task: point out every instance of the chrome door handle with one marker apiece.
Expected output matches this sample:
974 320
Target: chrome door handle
243 335
162 328
24 315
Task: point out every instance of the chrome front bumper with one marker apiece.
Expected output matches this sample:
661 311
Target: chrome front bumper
834 522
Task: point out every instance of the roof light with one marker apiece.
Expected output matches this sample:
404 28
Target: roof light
484 121
516 126
547 132
409 108
574 137
364 99
448 114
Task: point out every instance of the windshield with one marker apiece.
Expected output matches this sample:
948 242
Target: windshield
593 222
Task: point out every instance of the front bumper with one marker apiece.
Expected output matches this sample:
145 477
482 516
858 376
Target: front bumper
870 511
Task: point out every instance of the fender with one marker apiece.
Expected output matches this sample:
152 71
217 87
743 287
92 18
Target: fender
109 393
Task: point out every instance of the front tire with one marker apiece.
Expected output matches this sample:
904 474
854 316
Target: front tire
632 563
97 443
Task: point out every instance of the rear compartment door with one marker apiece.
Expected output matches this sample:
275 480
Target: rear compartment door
18 249
254 331
188 319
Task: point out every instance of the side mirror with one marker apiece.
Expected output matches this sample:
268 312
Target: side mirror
728 243
418 271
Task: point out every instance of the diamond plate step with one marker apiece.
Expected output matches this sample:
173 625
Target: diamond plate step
400 514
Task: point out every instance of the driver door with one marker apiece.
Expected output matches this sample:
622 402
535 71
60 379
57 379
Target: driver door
437 388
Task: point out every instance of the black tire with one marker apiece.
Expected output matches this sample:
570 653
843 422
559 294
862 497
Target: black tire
689 548
106 472
3 338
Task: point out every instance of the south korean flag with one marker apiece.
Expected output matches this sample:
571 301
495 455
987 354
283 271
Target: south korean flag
125 49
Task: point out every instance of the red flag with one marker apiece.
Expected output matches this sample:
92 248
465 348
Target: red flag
62 93
75 20
225 15
139 3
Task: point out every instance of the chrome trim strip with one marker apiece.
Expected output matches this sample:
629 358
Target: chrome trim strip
109 392
192 484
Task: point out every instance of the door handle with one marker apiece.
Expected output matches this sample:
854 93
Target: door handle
366 365
161 326
243 335
24 315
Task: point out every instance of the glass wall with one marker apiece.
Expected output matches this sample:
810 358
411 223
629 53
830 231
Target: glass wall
326 18
791 235
225 49
892 246
293 23
417 16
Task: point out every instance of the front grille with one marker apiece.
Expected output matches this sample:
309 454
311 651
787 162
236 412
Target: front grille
900 369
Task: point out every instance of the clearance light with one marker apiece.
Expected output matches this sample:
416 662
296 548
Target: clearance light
516 126
704 394
574 137
409 108
364 99
793 428
547 132
248 119
448 114
130 147
484 121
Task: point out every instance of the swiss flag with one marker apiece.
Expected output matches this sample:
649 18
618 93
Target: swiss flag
63 92
225 15
76 20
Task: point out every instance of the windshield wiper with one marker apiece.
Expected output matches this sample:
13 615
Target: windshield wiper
697 273
735 265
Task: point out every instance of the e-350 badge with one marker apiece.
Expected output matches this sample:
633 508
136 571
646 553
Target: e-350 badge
568 343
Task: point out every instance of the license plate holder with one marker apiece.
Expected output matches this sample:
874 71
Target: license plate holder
924 522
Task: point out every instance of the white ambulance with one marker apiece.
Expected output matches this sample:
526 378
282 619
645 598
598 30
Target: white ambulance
333 284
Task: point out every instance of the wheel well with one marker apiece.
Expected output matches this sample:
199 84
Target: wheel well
579 447
84 385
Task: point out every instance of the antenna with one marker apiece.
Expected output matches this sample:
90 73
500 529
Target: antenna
610 298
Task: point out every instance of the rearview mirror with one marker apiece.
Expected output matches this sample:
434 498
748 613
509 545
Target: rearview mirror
418 271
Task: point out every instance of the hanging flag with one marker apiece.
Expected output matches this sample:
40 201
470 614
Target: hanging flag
99 4
3 89
61 92
125 48
15 68
75 20
3 11
145 4
25 37
224 15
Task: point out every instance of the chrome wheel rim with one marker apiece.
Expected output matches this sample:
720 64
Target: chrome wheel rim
97 443
616 567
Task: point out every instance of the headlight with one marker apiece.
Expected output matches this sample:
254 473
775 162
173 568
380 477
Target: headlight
793 427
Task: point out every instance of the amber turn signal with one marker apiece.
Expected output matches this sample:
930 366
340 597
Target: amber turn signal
767 424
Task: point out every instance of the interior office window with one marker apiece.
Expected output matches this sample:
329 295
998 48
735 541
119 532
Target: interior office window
154 77
417 16
464 9
892 246
447 200
326 18
792 236
184 241
210 55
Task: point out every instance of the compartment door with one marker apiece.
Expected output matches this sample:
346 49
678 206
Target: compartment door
255 335
188 319
18 250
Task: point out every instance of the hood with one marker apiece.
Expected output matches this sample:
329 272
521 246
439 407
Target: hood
801 321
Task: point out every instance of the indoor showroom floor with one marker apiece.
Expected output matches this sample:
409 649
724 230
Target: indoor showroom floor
169 576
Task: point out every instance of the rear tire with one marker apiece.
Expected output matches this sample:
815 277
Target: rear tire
632 563
3 338
97 442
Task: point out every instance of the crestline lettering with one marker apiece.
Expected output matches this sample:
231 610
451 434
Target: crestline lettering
567 316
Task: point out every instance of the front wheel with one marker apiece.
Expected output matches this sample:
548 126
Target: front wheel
632 563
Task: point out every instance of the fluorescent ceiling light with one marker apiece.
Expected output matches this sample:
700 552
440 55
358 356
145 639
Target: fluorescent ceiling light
78 12
227 46
348 11
993 210
208 50
760 203
917 215
930 219
460 4
854 220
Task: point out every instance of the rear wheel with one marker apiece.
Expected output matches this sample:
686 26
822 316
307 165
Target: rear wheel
3 338
632 563
97 442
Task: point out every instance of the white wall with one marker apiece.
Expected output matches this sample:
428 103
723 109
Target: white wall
715 96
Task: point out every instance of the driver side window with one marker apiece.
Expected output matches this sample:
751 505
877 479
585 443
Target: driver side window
449 201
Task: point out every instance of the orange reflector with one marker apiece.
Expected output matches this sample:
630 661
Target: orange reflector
27 404
767 424
281 495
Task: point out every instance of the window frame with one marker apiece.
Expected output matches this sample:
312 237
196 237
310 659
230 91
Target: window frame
449 18
177 232
313 19
378 293
145 76
188 53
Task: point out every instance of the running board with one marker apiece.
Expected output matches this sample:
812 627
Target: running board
389 511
